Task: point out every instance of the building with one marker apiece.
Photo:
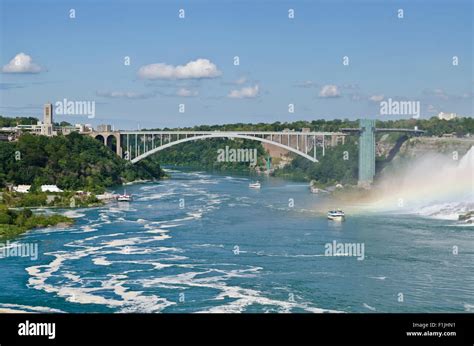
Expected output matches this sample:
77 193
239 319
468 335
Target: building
81 128
35 129
447 116
47 127
104 128
50 188
22 188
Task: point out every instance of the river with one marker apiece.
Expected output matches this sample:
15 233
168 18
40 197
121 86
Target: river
202 242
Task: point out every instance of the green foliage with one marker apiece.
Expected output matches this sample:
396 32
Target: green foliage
5 216
432 126
31 200
11 122
9 231
318 125
40 199
339 165
204 154
15 222
72 162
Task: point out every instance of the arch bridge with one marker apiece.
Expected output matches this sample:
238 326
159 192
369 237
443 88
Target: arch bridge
137 145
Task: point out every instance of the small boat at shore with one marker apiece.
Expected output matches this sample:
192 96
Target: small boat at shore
124 197
255 185
314 189
336 215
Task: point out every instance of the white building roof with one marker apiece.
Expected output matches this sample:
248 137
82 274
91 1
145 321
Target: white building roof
50 188
22 188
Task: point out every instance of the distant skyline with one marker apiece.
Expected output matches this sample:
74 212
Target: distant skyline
139 61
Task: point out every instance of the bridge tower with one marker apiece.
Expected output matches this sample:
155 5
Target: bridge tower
366 152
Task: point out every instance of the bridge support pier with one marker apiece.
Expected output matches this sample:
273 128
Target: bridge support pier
105 135
366 152
118 149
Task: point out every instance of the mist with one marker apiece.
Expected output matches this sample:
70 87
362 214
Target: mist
432 185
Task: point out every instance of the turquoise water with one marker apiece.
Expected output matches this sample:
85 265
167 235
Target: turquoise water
233 249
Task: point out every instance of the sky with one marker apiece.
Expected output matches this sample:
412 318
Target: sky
77 50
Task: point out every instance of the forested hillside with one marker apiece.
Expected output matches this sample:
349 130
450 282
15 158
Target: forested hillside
73 162
79 162
11 122
339 165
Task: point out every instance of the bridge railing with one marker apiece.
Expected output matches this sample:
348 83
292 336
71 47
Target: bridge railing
136 144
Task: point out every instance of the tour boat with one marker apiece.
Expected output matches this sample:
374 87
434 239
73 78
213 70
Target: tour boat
336 215
124 197
255 185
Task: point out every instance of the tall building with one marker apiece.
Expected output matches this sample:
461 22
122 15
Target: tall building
47 125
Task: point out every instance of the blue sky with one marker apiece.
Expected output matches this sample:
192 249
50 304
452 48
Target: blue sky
282 60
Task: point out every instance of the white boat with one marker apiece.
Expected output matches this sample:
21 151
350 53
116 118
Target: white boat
315 189
255 185
336 215
124 197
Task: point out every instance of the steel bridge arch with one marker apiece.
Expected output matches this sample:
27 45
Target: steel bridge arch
221 135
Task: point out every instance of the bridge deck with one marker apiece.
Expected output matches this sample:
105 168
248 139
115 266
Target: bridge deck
354 129
248 133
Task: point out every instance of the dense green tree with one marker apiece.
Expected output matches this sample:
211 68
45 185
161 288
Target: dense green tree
72 162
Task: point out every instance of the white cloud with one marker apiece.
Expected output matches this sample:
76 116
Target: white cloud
376 98
306 84
124 94
440 93
436 93
21 63
432 109
247 92
355 96
443 95
200 68
329 90
351 86
183 92
241 81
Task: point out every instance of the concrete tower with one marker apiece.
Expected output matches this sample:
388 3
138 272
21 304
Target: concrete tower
47 127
